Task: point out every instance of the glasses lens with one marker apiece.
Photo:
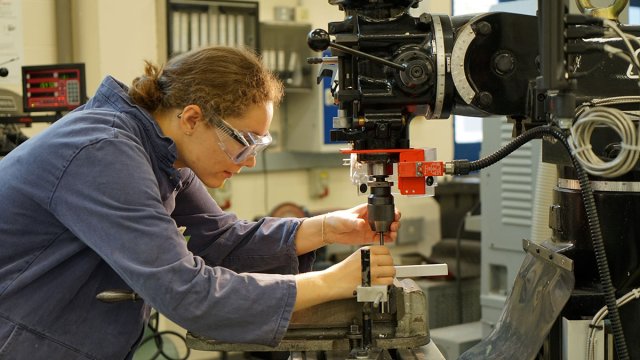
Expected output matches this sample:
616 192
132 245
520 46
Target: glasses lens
239 146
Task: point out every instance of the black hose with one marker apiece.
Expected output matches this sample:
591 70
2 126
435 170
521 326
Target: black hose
158 339
463 167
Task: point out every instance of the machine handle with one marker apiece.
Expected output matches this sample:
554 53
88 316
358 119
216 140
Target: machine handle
114 296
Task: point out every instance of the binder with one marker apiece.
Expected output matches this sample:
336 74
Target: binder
231 30
204 29
175 32
240 30
184 31
213 27
194 22
222 35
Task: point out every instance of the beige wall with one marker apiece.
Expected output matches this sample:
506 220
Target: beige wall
114 37
39 41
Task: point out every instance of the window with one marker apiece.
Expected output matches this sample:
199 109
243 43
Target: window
461 7
634 12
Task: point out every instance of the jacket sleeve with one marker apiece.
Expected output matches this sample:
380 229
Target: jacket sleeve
221 239
108 197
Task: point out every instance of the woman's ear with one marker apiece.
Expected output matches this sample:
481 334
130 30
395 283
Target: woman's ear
189 118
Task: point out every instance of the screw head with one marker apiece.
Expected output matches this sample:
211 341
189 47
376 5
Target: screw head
429 180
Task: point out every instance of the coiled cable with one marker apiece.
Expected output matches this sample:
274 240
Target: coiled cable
580 141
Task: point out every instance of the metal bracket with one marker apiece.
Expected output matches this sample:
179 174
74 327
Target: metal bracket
374 294
547 255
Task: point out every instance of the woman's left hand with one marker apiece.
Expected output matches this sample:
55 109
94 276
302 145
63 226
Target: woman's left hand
351 227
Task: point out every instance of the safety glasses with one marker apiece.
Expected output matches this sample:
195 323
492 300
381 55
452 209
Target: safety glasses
240 145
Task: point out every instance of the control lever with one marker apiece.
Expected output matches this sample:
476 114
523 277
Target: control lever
318 40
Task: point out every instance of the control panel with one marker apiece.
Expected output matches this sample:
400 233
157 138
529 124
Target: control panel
53 87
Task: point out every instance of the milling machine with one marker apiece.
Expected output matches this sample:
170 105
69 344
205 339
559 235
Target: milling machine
570 80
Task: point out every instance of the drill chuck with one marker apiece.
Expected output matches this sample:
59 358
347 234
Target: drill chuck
381 209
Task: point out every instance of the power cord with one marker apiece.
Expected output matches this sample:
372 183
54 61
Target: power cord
158 339
626 38
580 141
595 323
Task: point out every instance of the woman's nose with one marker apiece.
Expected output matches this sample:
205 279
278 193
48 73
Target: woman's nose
250 161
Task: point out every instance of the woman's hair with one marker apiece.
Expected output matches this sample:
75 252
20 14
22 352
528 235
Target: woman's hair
223 81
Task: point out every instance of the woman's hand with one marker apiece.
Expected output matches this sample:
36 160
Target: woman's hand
341 280
351 227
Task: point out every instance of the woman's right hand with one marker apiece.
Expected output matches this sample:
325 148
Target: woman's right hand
347 274
341 280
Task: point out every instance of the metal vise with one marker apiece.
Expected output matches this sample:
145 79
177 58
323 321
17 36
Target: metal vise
336 327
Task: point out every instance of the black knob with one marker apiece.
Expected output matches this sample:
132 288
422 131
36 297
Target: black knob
483 99
318 40
483 28
4 72
504 64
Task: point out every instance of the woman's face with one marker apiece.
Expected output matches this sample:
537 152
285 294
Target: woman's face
208 150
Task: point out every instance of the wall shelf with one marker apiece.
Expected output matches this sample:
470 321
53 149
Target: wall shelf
192 24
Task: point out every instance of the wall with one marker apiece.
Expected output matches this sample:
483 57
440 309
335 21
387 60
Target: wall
114 37
39 42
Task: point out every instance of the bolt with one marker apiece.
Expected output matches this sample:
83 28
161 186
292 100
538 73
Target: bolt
504 64
483 28
483 99
417 71
430 180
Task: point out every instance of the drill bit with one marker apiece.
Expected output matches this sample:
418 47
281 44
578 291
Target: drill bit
381 238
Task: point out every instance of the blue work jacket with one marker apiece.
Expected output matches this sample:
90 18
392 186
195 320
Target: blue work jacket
93 204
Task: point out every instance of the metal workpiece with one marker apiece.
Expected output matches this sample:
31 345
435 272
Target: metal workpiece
375 294
328 326
378 168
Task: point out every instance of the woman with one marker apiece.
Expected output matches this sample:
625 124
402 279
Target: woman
94 203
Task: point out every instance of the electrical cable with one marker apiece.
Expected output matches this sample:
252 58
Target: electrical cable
158 338
580 141
589 43
594 325
626 39
615 100
463 167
